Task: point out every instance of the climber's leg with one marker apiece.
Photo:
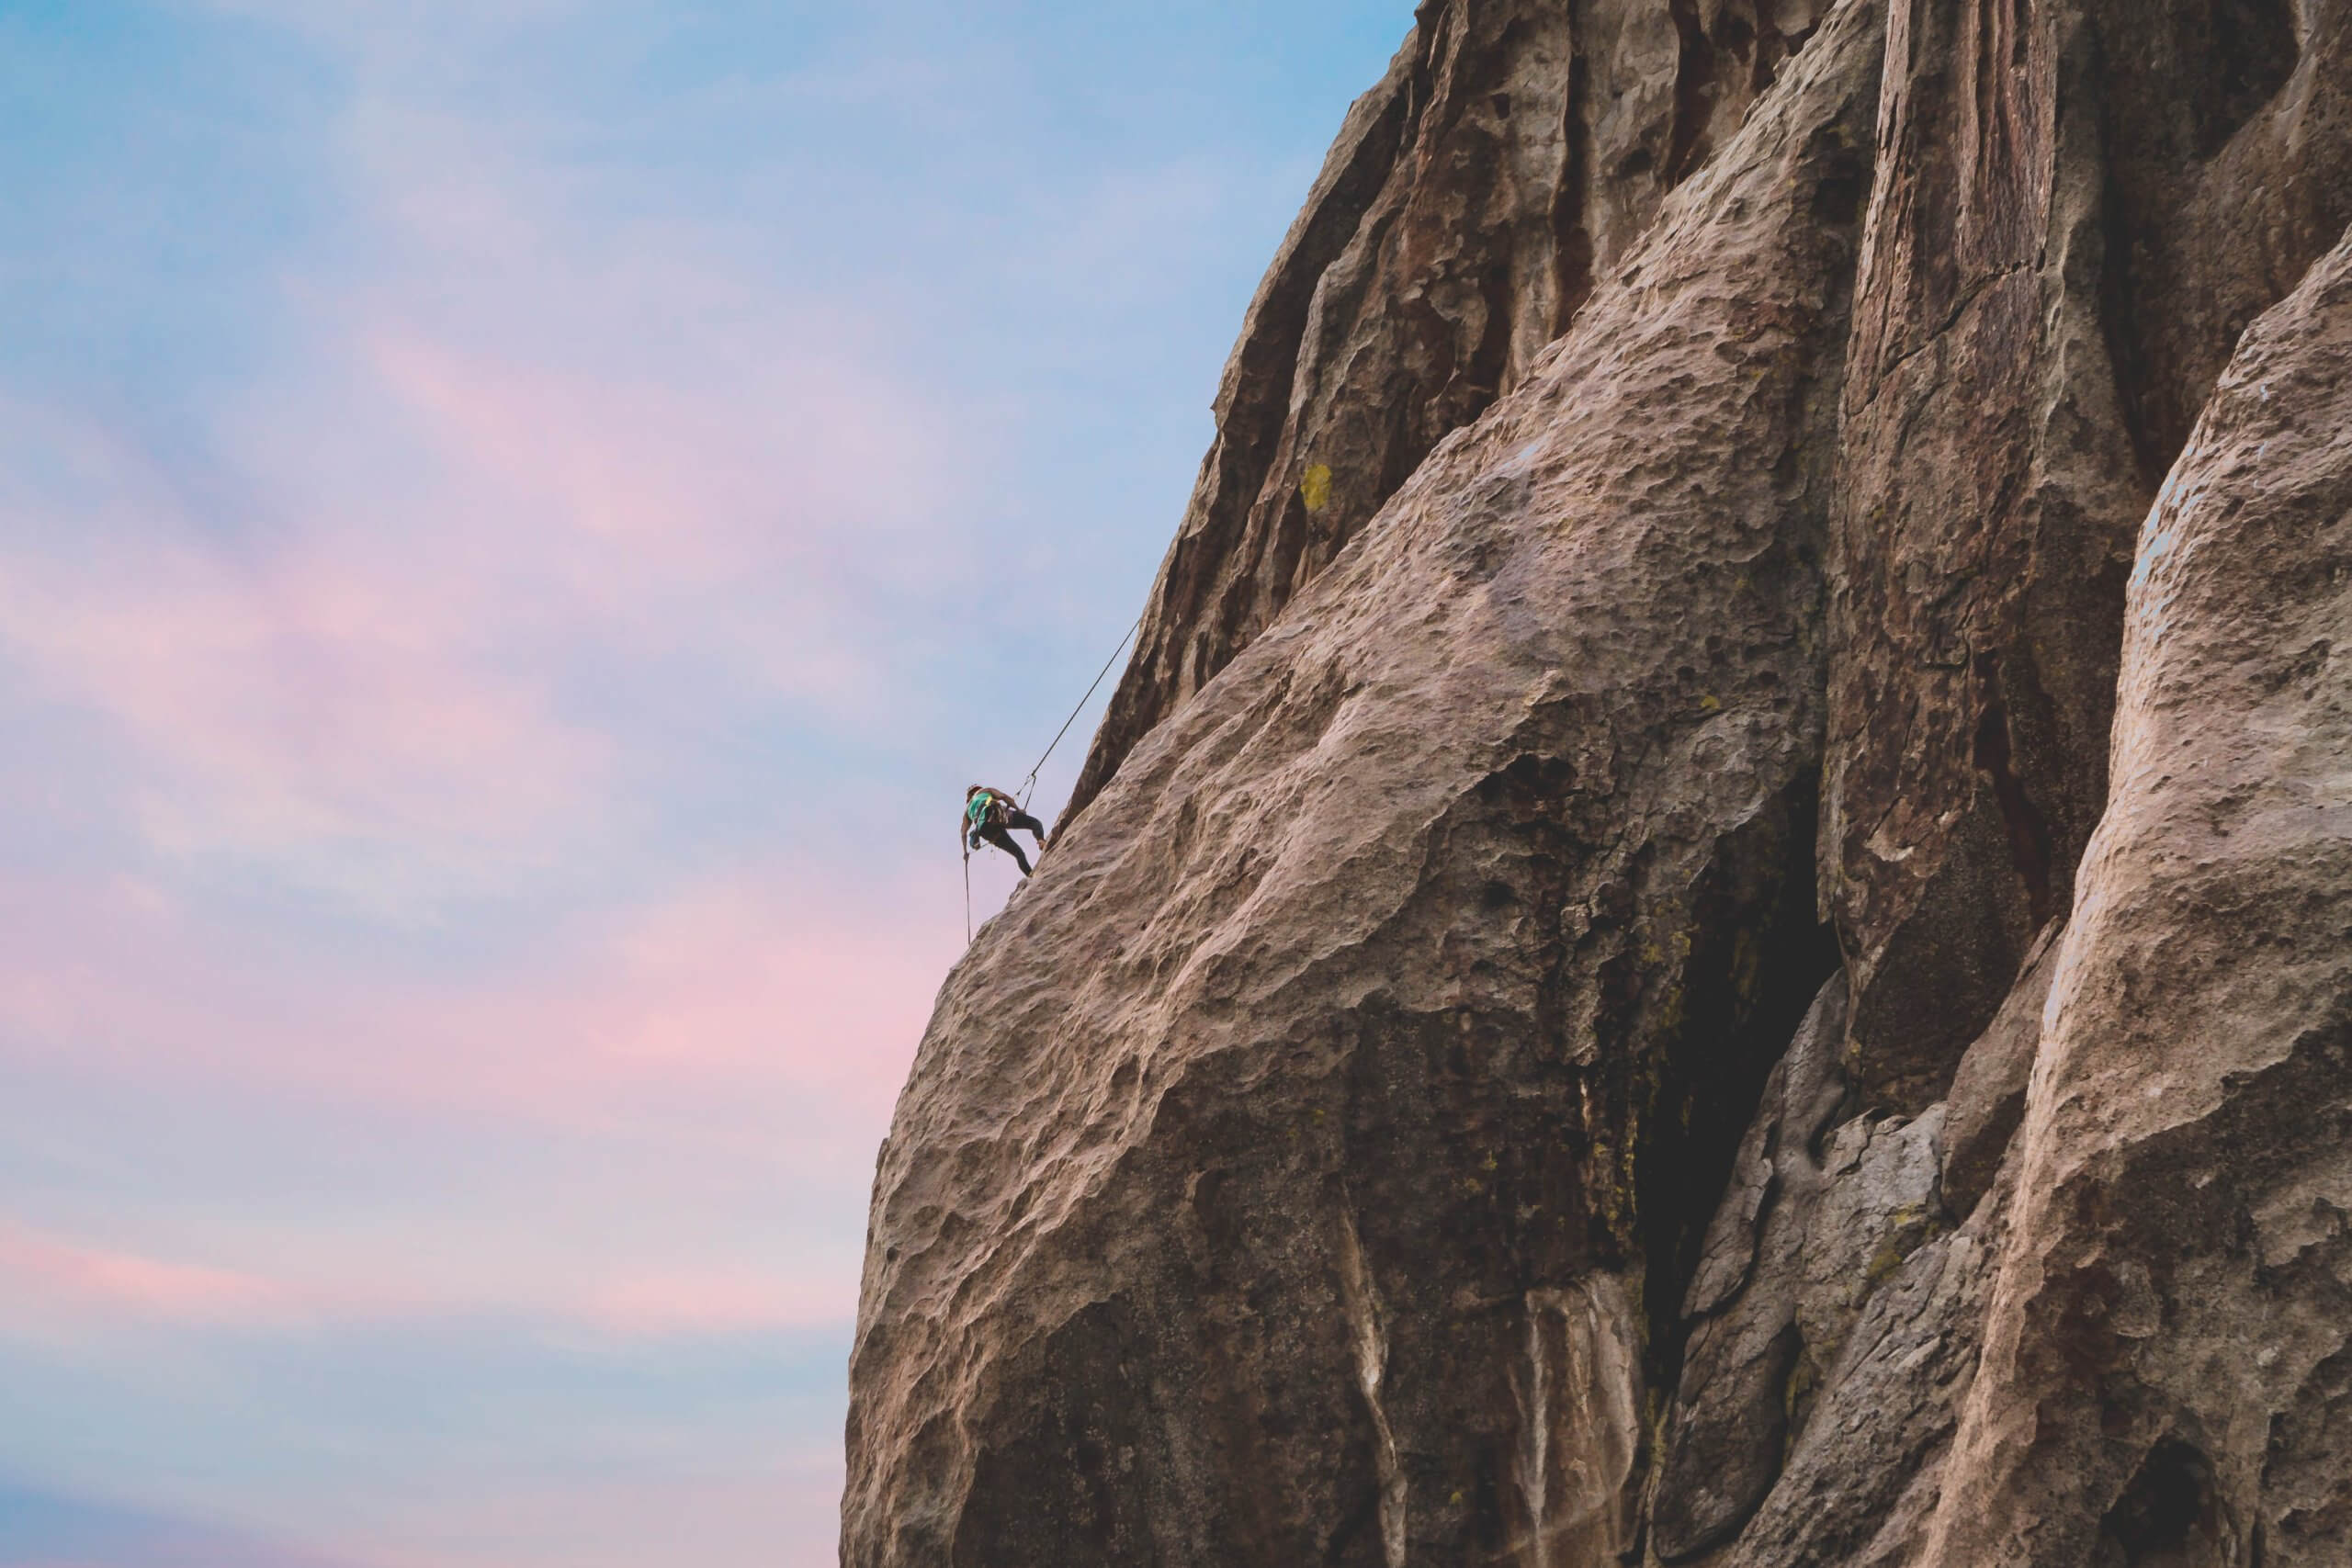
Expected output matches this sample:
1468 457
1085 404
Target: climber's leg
1005 841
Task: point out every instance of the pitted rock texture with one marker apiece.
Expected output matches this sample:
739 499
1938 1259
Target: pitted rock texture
1279 1177
1514 152
1733 950
2078 208
2163 1377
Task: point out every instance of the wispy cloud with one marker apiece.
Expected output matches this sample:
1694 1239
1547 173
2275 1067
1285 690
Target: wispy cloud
290 700
62 1290
42 1271
764 981
522 447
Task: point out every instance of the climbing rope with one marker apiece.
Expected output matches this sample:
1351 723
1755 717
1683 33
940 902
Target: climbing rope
1031 782
964 832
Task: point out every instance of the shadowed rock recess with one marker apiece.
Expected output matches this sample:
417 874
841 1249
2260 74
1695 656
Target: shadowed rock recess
1714 924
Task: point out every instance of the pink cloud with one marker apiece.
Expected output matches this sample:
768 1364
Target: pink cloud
45 1270
752 524
54 1283
659 1126
303 699
529 447
370 695
769 982
798 440
748 973
295 695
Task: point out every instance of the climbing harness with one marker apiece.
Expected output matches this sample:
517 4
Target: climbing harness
964 833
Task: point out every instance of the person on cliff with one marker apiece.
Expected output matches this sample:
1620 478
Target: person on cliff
992 815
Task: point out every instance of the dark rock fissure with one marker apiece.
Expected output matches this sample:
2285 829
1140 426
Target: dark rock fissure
2029 829
1572 239
2178 80
2249 50
2126 353
1762 960
2166 1516
1694 82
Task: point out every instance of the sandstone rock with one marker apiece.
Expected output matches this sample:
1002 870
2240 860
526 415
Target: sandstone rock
1820 1219
1514 152
1988 1092
2081 205
2163 1377
1877 1206
1723 1438
1391 1128
1986 503
1866 1467
1306 1166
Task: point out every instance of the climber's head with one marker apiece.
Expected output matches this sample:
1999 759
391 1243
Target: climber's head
973 791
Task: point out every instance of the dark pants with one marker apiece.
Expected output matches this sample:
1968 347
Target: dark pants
1002 837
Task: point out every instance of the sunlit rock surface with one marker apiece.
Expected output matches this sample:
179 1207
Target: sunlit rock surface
1713 923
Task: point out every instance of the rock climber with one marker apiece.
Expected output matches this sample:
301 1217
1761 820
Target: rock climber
993 816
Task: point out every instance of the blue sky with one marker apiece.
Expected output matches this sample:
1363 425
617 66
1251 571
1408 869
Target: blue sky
517 521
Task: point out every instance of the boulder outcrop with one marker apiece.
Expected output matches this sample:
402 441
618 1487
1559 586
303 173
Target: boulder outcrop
1714 922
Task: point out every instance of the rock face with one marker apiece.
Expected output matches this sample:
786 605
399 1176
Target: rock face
2168 1364
2079 208
1512 153
1606 996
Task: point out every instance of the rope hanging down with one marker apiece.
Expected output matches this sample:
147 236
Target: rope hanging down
963 833
1031 782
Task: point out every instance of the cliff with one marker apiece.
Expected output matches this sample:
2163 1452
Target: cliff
1712 924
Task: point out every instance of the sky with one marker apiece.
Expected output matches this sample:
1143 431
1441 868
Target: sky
519 520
